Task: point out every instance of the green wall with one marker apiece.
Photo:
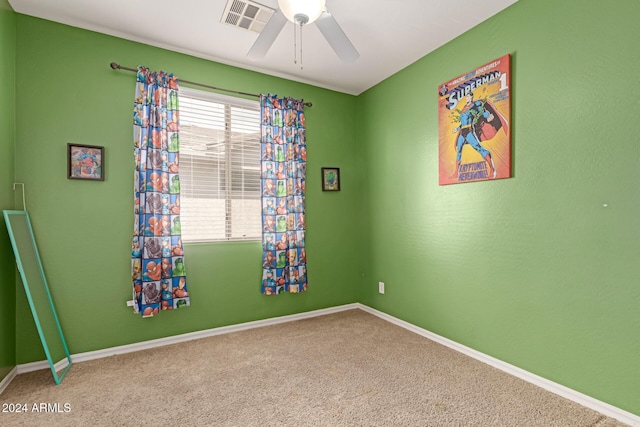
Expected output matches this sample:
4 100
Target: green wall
532 270
66 92
7 129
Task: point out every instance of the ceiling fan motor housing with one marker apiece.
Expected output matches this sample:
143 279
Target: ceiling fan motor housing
304 12
301 11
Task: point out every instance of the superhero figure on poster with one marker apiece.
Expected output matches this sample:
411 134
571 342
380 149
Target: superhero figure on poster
479 121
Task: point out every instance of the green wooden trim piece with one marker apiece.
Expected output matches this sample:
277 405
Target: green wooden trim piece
37 291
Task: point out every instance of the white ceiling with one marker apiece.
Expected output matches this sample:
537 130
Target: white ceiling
388 34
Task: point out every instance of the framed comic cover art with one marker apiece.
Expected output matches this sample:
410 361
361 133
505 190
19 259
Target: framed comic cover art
474 116
85 162
330 179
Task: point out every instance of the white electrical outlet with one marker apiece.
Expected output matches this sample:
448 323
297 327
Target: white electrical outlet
381 287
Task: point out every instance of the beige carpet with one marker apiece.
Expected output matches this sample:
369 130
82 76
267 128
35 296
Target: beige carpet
344 369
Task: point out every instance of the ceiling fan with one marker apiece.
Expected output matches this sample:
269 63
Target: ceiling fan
304 12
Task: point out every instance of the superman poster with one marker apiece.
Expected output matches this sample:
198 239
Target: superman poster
474 114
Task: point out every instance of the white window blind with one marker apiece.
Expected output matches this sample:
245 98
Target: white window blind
219 167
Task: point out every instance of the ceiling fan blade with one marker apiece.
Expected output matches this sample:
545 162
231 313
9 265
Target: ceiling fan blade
268 35
338 40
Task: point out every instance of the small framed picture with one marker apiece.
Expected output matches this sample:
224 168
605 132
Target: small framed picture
330 179
85 162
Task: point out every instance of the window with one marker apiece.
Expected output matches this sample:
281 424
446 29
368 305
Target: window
219 167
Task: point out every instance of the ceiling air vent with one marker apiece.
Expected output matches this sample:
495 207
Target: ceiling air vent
246 14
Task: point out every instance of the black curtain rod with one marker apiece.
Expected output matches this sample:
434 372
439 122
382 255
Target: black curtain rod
117 66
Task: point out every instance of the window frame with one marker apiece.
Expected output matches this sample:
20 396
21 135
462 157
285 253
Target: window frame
229 103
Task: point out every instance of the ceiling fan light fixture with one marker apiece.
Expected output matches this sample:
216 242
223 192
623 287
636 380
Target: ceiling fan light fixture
301 11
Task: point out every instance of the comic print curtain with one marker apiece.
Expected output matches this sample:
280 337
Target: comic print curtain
157 264
283 169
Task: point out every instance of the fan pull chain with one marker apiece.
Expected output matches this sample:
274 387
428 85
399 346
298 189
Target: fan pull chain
295 46
301 45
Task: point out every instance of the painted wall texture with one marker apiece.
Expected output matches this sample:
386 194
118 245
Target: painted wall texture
7 129
66 92
533 270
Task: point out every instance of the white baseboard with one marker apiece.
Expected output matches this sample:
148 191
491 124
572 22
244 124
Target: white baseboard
567 393
7 380
144 345
32 366
62 364
42 364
